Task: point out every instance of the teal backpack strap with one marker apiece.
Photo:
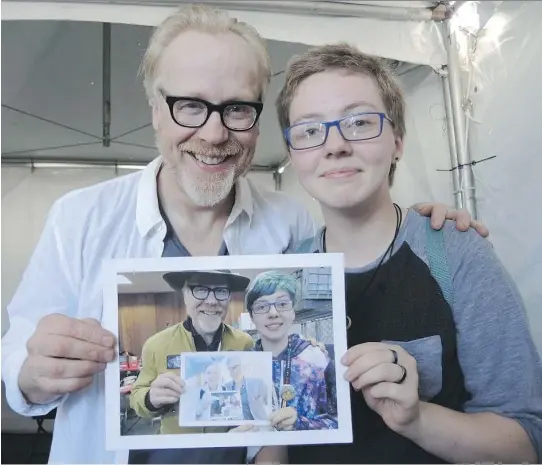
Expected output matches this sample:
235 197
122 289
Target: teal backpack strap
438 262
305 246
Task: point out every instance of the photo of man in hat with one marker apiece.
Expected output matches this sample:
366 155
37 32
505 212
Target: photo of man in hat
206 296
158 388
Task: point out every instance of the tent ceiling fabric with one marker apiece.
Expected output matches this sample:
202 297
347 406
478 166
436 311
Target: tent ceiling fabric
52 69
414 41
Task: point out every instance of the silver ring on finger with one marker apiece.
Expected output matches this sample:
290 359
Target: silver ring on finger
403 376
395 356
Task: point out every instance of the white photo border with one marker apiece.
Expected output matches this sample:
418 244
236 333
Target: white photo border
110 321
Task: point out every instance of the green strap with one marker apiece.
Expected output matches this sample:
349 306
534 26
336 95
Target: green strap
438 262
305 246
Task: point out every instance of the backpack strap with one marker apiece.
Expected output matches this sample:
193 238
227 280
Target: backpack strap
304 247
438 262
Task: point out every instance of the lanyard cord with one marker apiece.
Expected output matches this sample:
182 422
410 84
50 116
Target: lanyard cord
287 372
399 220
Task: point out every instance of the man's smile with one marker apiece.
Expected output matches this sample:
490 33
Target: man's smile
209 160
211 312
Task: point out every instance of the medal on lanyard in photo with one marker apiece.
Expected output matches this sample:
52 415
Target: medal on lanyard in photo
287 391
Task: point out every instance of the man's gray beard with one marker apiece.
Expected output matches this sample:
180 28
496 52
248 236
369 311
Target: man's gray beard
207 191
210 190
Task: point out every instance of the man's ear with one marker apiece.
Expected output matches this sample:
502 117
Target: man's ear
155 114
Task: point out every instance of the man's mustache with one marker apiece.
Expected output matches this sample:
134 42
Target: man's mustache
210 308
228 148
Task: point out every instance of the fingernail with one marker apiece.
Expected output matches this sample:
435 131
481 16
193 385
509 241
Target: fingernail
108 341
110 355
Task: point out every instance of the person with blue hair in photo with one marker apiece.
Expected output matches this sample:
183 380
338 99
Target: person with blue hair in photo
303 373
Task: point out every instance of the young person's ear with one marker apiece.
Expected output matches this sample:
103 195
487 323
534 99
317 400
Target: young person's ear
397 155
399 147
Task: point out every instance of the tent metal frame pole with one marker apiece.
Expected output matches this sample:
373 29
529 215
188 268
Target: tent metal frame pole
306 7
106 84
47 163
464 167
277 177
458 195
40 162
285 163
331 9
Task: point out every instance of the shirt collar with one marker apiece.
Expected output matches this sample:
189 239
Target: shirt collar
199 342
243 200
319 240
317 244
147 209
148 213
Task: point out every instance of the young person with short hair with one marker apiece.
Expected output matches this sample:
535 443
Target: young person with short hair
441 362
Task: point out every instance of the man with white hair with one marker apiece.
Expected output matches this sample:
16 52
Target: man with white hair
206 296
205 77
252 391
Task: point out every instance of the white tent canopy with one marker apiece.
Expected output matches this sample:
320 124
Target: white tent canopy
53 68
407 34
80 63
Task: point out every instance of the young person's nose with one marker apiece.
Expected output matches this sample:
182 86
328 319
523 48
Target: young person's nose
273 311
336 145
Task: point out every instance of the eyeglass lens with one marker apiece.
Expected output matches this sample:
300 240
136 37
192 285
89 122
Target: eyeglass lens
354 128
193 113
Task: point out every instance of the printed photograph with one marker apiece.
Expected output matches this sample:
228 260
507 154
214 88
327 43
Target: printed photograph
224 345
226 389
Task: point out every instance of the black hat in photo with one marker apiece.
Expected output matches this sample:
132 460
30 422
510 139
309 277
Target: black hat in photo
234 282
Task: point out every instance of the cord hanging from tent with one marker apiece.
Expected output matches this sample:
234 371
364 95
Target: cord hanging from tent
472 163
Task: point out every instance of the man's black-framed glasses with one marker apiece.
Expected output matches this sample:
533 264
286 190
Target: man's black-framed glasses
261 308
193 112
357 127
202 292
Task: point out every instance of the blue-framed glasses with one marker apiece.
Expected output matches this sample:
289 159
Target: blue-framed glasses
280 306
357 127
